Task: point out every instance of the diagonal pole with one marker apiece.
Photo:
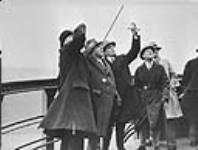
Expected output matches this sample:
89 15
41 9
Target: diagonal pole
114 21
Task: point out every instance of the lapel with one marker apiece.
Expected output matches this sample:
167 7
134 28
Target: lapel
98 65
151 69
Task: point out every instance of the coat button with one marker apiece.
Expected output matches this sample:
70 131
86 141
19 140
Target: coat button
145 87
104 80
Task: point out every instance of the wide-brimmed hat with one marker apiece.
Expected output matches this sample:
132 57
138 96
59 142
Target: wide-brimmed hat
90 49
91 41
144 49
155 46
108 43
63 36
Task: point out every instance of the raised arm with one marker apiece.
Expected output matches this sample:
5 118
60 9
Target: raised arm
187 74
78 39
134 50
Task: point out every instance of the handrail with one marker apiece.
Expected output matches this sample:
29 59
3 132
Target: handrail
20 127
9 88
21 121
47 143
31 143
26 86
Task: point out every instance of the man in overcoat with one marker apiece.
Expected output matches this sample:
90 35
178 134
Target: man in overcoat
71 116
120 67
104 93
190 98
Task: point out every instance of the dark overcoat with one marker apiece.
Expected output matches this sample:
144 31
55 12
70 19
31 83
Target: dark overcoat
190 82
104 93
72 109
120 67
151 84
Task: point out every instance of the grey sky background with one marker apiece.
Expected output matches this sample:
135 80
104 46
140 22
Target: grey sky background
29 30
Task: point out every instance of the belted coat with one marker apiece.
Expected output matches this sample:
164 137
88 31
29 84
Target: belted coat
151 85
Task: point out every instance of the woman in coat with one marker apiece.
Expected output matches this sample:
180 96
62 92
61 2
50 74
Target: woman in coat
151 81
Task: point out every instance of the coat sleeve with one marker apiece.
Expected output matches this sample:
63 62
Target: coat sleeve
164 84
187 74
137 78
134 50
68 54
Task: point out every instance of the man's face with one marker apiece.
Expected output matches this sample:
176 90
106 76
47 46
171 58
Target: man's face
110 53
90 45
68 39
98 51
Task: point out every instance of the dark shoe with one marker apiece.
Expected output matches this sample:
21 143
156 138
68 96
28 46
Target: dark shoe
172 148
193 143
121 148
156 148
141 148
149 142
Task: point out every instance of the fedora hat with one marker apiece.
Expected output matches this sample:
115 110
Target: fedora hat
63 36
90 46
108 43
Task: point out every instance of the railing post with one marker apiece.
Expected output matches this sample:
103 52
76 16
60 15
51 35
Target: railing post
1 99
50 97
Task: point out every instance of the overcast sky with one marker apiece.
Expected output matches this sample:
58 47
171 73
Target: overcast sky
29 30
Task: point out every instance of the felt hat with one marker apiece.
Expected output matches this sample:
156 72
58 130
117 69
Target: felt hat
63 36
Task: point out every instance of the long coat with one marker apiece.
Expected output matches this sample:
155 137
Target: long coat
72 109
104 93
172 107
151 84
190 83
120 67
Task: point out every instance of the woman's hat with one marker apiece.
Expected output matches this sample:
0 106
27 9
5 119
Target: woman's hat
144 49
155 46
63 36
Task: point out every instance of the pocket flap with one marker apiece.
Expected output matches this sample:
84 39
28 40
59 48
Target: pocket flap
80 84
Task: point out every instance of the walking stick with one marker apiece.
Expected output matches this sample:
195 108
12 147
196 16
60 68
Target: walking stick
114 21
105 37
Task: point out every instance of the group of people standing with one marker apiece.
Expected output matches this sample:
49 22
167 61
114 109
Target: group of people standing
96 93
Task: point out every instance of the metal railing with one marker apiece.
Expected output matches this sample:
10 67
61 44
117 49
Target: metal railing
10 88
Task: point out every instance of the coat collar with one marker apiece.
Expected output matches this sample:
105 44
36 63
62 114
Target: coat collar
153 66
99 65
